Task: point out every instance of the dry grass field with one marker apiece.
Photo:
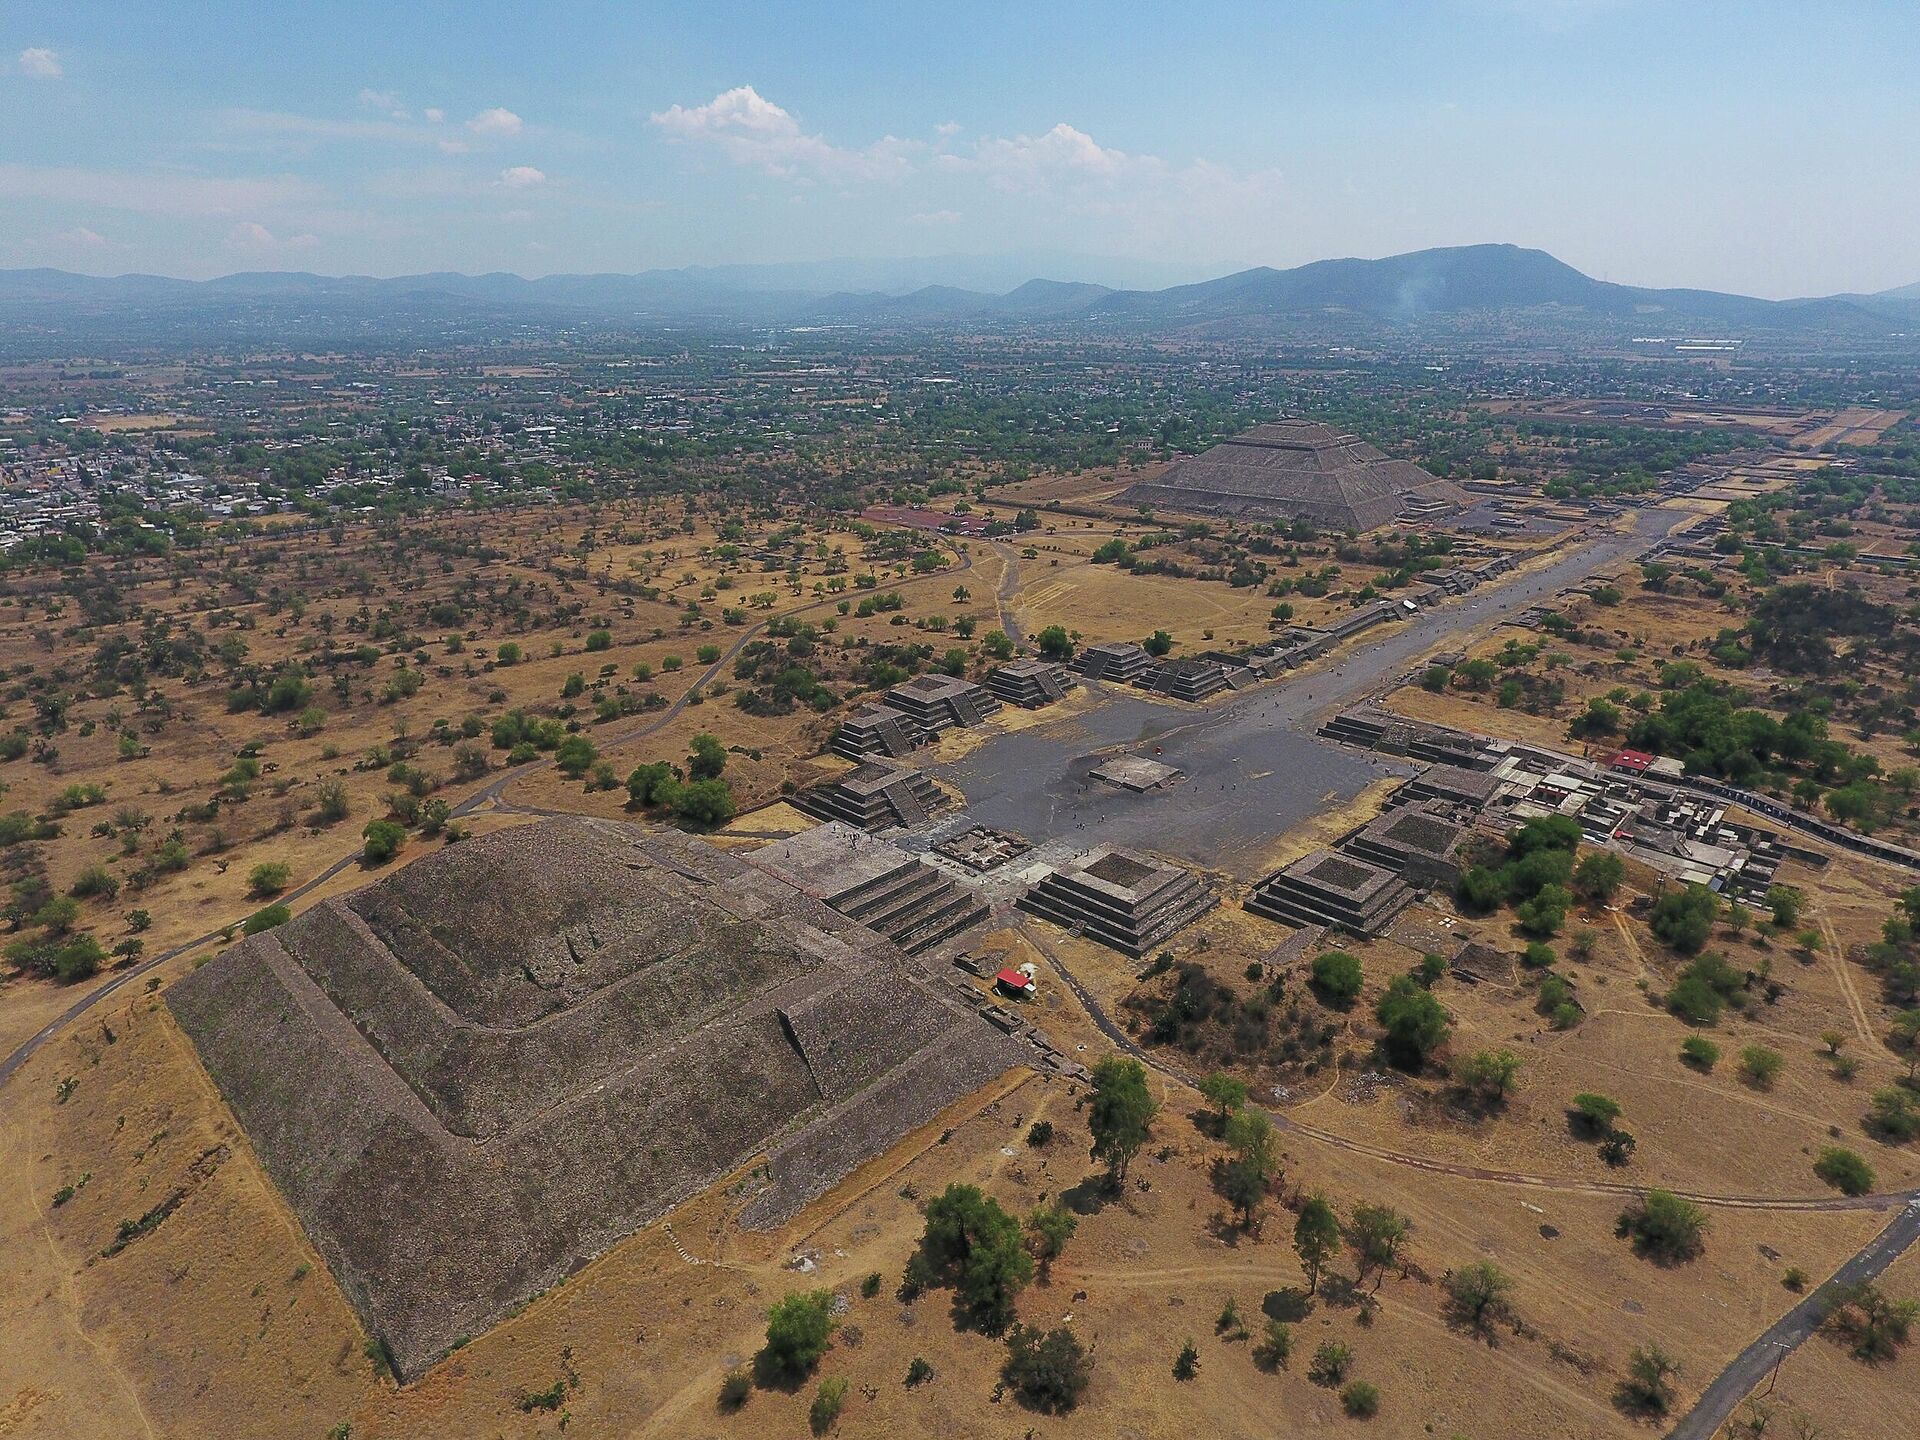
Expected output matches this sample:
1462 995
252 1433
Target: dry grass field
160 1286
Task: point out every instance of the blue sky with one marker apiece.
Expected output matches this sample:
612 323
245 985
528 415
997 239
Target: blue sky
1769 148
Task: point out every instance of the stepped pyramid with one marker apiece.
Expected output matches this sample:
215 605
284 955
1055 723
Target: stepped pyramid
1297 469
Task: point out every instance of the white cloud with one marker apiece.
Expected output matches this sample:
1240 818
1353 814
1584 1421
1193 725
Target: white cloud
935 217
497 122
1034 161
434 115
751 130
522 177
153 193
41 63
81 238
387 102
251 235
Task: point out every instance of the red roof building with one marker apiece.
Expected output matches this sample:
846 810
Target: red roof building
1015 980
1634 762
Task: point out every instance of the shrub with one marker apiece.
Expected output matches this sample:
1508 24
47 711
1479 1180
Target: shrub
1699 1052
1648 1388
1598 875
1330 1363
1844 1170
267 919
95 880
918 1372
1360 1400
1337 977
828 1401
1186 1364
1275 1346
1047 1371
735 1389
1040 1134
1664 1227
331 801
383 840
268 878
1760 1066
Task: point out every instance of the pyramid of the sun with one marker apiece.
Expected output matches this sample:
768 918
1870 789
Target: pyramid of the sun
1294 469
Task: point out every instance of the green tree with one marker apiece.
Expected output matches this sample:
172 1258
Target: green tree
1316 1235
1337 977
1844 1170
1683 919
575 756
1224 1093
1477 1293
974 1246
1121 1114
1378 1235
1054 643
1414 1021
1244 1179
383 839
708 759
1663 1227
1487 1074
1049 1227
1046 1371
1598 875
800 1327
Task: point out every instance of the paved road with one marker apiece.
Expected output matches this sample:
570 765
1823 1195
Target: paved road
1254 767
1750 1367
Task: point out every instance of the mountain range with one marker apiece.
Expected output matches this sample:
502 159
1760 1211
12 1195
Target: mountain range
1464 286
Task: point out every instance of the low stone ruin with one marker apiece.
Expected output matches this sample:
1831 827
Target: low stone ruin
882 886
1329 888
1126 900
1030 684
874 796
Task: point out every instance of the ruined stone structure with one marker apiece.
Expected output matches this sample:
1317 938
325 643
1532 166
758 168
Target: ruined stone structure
1416 842
1329 888
882 886
1191 679
1029 684
877 730
477 1074
1119 660
1123 899
874 796
1297 469
939 702
1473 788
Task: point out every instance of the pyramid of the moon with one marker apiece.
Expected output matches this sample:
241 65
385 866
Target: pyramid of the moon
1297 469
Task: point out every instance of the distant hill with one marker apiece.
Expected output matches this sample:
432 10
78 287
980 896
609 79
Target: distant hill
1464 288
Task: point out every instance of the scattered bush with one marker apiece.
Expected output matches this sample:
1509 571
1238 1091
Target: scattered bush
1046 1371
1844 1170
1663 1227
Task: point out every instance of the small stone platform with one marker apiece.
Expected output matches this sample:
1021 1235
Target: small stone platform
1122 898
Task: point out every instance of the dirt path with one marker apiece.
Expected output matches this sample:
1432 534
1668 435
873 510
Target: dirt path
1862 1023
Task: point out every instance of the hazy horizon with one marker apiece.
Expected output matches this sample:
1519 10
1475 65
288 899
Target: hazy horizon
1765 149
